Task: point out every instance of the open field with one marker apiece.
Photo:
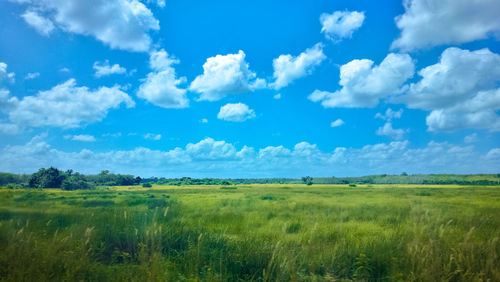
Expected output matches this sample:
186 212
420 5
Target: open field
252 232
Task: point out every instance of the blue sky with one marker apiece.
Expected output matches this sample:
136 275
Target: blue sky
250 88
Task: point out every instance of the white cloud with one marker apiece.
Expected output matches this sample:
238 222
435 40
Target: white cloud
32 75
493 154
434 22
288 68
152 136
43 25
387 130
340 24
116 135
9 128
277 96
211 158
363 84
159 3
204 120
66 105
104 69
209 149
122 24
235 112
66 70
472 138
82 138
461 91
337 123
4 75
225 75
160 87
390 114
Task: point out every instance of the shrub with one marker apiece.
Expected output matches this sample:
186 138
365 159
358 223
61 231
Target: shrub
352 185
147 185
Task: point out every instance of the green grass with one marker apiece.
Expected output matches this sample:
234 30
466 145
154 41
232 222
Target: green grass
253 232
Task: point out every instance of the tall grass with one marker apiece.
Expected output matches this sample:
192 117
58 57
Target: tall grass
260 232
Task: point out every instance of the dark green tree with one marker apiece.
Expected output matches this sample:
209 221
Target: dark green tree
47 178
307 180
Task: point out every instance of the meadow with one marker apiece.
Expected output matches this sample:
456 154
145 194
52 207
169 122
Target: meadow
266 232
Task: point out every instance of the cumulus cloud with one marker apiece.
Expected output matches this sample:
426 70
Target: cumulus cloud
235 112
82 137
122 24
341 24
224 75
43 25
337 123
387 130
461 91
210 149
493 154
5 76
390 114
472 138
105 69
364 84
9 128
434 22
152 136
65 105
277 96
288 68
217 158
32 75
160 87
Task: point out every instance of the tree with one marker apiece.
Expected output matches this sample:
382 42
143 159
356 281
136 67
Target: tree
47 178
307 180
76 181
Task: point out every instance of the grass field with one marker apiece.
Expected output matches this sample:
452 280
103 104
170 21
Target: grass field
252 232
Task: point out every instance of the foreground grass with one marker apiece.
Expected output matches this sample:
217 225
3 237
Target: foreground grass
252 232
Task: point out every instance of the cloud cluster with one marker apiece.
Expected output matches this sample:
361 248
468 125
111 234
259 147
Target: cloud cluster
428 23
288 68
364 84
105 69
387 129
43 25
122 24
152 136
160 87
235 112
215 158
65 105
337 123
224 75
341 24
81 137
5 76
32 75
461 91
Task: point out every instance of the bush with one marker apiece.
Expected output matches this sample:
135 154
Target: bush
75 182
14 186
147 185
352 185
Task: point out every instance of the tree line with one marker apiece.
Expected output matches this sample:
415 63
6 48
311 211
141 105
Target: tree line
69 180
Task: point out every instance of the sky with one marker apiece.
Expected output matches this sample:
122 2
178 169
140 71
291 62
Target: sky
250 88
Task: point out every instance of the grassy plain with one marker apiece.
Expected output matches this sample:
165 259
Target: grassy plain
252 232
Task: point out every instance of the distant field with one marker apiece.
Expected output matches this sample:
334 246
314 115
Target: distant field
252 232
